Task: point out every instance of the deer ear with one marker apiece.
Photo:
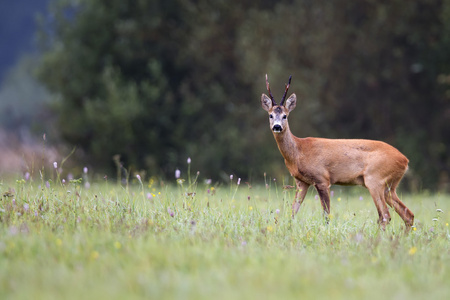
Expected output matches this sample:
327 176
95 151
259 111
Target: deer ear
266 102
291 102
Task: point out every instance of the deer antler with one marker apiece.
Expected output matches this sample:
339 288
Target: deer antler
270 93
285 91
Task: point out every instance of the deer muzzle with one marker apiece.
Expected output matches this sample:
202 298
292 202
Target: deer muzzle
277 128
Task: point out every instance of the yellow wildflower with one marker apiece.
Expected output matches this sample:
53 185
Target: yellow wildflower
150 182
94 255
117 245
412 251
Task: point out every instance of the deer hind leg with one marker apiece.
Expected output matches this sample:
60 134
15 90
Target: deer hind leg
302 189
377 193
399 206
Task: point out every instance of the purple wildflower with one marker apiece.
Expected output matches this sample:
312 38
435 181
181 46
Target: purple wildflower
359 237
171 213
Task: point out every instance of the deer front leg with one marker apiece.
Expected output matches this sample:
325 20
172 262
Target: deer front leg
324 193
302 189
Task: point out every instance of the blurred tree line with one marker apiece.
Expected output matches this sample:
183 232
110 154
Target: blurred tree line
158 81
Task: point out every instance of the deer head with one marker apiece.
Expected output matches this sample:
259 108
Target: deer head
278 113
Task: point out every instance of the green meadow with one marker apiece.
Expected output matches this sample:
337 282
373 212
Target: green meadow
189 240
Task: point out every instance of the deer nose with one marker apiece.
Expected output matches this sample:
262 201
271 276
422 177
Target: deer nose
277 128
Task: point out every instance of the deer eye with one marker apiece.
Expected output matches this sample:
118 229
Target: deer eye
284 117
271 116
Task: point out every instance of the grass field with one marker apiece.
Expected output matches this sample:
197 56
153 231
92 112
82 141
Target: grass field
174 241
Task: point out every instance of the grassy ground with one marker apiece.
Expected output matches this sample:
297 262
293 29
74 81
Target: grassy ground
225 242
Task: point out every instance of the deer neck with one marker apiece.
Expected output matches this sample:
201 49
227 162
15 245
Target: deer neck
287 144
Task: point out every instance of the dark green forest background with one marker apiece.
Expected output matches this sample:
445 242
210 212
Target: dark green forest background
159 81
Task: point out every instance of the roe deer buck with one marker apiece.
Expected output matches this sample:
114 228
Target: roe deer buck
322 162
